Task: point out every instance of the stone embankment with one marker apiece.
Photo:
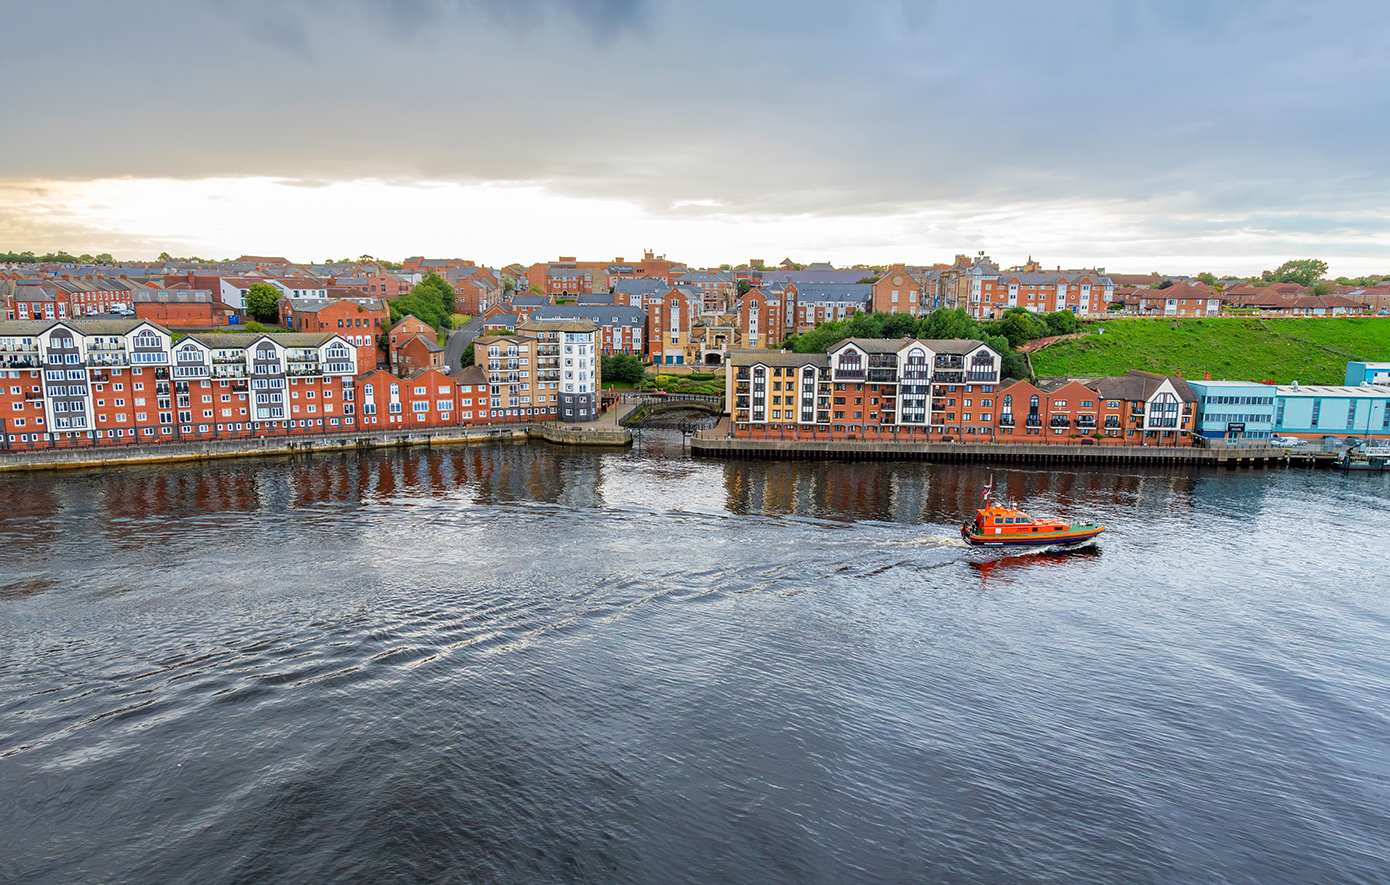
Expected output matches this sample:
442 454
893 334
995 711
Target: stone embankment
110 456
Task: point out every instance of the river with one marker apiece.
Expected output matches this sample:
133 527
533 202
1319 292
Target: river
521 663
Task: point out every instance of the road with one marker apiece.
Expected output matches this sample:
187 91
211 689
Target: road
458 341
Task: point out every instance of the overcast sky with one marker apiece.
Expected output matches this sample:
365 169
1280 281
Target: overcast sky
1182 135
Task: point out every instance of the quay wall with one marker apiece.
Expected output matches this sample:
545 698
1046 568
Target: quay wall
111 456
990 453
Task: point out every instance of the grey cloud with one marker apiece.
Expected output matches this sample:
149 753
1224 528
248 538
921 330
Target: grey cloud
839 107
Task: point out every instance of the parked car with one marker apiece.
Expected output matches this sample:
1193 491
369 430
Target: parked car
1285 441
1354 441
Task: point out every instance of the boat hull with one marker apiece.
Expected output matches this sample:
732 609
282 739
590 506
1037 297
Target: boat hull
1080 535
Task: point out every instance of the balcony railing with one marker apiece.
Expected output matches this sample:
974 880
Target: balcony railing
948 377
982 377
1033 421
1059 421
883 376
1006 420
849 374
1086 421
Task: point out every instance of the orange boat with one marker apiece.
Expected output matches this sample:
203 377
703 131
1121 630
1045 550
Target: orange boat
997 526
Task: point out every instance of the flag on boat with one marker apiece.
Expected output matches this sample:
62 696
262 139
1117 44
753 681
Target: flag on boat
984 496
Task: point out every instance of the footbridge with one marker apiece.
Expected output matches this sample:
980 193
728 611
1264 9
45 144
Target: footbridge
656 409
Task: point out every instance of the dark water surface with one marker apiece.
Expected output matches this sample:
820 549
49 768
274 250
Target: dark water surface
526 664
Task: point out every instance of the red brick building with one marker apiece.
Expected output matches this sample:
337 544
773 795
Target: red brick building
416 354
360 322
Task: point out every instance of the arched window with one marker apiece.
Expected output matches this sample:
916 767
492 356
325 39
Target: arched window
366 390
1008 402
1033 403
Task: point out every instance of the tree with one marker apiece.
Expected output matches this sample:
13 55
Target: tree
467 359
263 302
623 368
432 301
1012 363
945 322
165 256
1305 271
1061 322
1207 278
870 279
1020 325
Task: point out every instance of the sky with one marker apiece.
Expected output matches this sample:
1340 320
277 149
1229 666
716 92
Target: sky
1136 135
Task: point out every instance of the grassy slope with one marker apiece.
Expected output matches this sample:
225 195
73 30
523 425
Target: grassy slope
1313 350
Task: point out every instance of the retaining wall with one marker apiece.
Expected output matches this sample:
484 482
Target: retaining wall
107 456
1000 453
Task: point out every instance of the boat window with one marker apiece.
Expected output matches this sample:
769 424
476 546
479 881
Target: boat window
1009 520
998 520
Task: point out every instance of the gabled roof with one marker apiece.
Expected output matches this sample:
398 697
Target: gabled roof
431 346
287 339
403 320
473 374
1135 385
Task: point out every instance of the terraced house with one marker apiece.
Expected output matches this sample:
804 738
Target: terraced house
906 388
104 382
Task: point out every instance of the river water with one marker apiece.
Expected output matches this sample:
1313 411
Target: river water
528 664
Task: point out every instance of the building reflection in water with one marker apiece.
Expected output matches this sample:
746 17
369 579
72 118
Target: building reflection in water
916 492
139 506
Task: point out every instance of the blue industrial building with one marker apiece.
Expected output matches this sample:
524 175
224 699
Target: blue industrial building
1315 410
1234 410
1367 373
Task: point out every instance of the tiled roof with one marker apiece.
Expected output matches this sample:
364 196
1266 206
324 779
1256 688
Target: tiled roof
749 356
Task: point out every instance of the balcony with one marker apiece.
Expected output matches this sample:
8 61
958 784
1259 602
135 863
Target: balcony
1086 421
982 378
20 363
1006 420
107 359
100 377
228 360
1059 421
161 374
948 377
33 395
883 376
849 374
1033 421
1112 422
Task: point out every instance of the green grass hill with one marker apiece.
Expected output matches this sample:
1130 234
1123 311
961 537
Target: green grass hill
1311 350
